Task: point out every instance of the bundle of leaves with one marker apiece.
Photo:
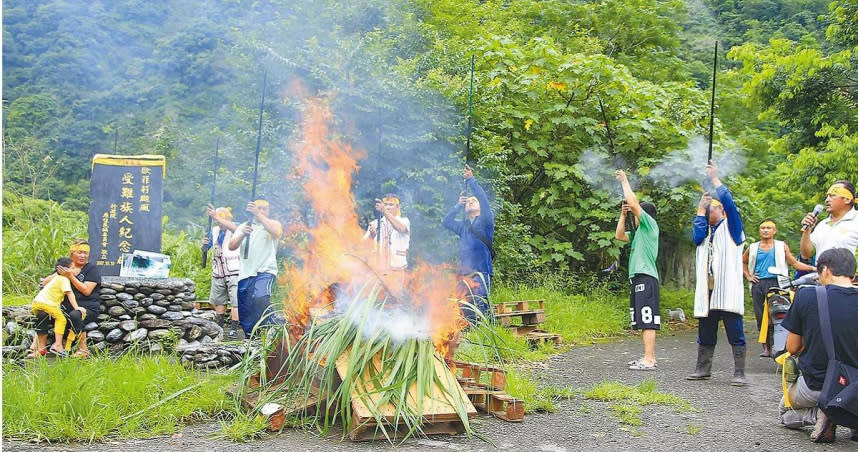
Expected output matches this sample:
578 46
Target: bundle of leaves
352 357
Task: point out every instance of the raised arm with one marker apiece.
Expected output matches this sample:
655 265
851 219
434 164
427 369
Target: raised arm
628 193
734 222
242 230
620 233
224 223
450 222
485 208
700 227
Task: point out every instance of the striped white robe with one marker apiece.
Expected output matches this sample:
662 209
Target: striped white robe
728 293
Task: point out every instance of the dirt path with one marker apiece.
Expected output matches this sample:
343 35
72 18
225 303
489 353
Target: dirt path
729 418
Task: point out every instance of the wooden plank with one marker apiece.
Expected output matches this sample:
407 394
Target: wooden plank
506 407
533 318
435 407
520 313
523 330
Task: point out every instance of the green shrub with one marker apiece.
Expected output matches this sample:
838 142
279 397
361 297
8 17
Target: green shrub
186 259
132 396
35 233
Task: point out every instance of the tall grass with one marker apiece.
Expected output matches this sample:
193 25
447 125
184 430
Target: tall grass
35 233
579 309
185 254
86 400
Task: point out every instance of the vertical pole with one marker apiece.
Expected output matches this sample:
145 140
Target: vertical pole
212 199
256 159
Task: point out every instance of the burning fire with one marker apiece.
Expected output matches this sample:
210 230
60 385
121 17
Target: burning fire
337 261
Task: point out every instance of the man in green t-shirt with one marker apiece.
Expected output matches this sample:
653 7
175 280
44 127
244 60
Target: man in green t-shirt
643 275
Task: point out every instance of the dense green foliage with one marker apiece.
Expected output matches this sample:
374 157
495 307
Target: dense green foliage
565 91
37 232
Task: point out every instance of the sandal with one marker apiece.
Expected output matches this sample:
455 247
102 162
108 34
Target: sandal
640 365
58 353
81 354
33 354
636 361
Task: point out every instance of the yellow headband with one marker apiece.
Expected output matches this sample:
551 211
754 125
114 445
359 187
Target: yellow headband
768 223
79 247
839 190
395 201
223 212
261 203
716 203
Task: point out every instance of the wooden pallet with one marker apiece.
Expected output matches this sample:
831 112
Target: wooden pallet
519 306
539 337
275 413
438 417
530 312
473 372
489 396
506 407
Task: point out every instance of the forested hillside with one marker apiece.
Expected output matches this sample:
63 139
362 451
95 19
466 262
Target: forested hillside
564 92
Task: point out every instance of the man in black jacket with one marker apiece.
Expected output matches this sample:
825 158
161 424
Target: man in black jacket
836 268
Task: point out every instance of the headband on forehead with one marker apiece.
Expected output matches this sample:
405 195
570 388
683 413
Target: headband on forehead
768 223
223 212
839 190
261 203
79 247
391 199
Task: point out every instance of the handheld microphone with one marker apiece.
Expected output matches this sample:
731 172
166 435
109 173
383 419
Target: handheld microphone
810 278
816 211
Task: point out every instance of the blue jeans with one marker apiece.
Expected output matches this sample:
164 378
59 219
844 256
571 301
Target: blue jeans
475 288
254 302
707 328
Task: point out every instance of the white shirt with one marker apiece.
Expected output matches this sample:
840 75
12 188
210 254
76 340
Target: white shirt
394 242
841 234
225 262
262 257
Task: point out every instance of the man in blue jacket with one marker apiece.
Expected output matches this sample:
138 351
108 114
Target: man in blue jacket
476 234
719 293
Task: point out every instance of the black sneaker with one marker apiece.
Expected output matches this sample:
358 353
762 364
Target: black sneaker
233 334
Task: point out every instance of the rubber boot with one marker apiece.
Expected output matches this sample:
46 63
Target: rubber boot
704 363
739 366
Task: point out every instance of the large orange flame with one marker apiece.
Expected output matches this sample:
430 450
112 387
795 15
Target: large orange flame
338 253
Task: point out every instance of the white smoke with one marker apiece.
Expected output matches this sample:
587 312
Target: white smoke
598 171
689 164
678 167
400 323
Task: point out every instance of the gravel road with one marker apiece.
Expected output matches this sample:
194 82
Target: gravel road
726 418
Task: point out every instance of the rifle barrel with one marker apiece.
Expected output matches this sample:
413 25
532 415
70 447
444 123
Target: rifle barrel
712 103
470 113
212 198
256 159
